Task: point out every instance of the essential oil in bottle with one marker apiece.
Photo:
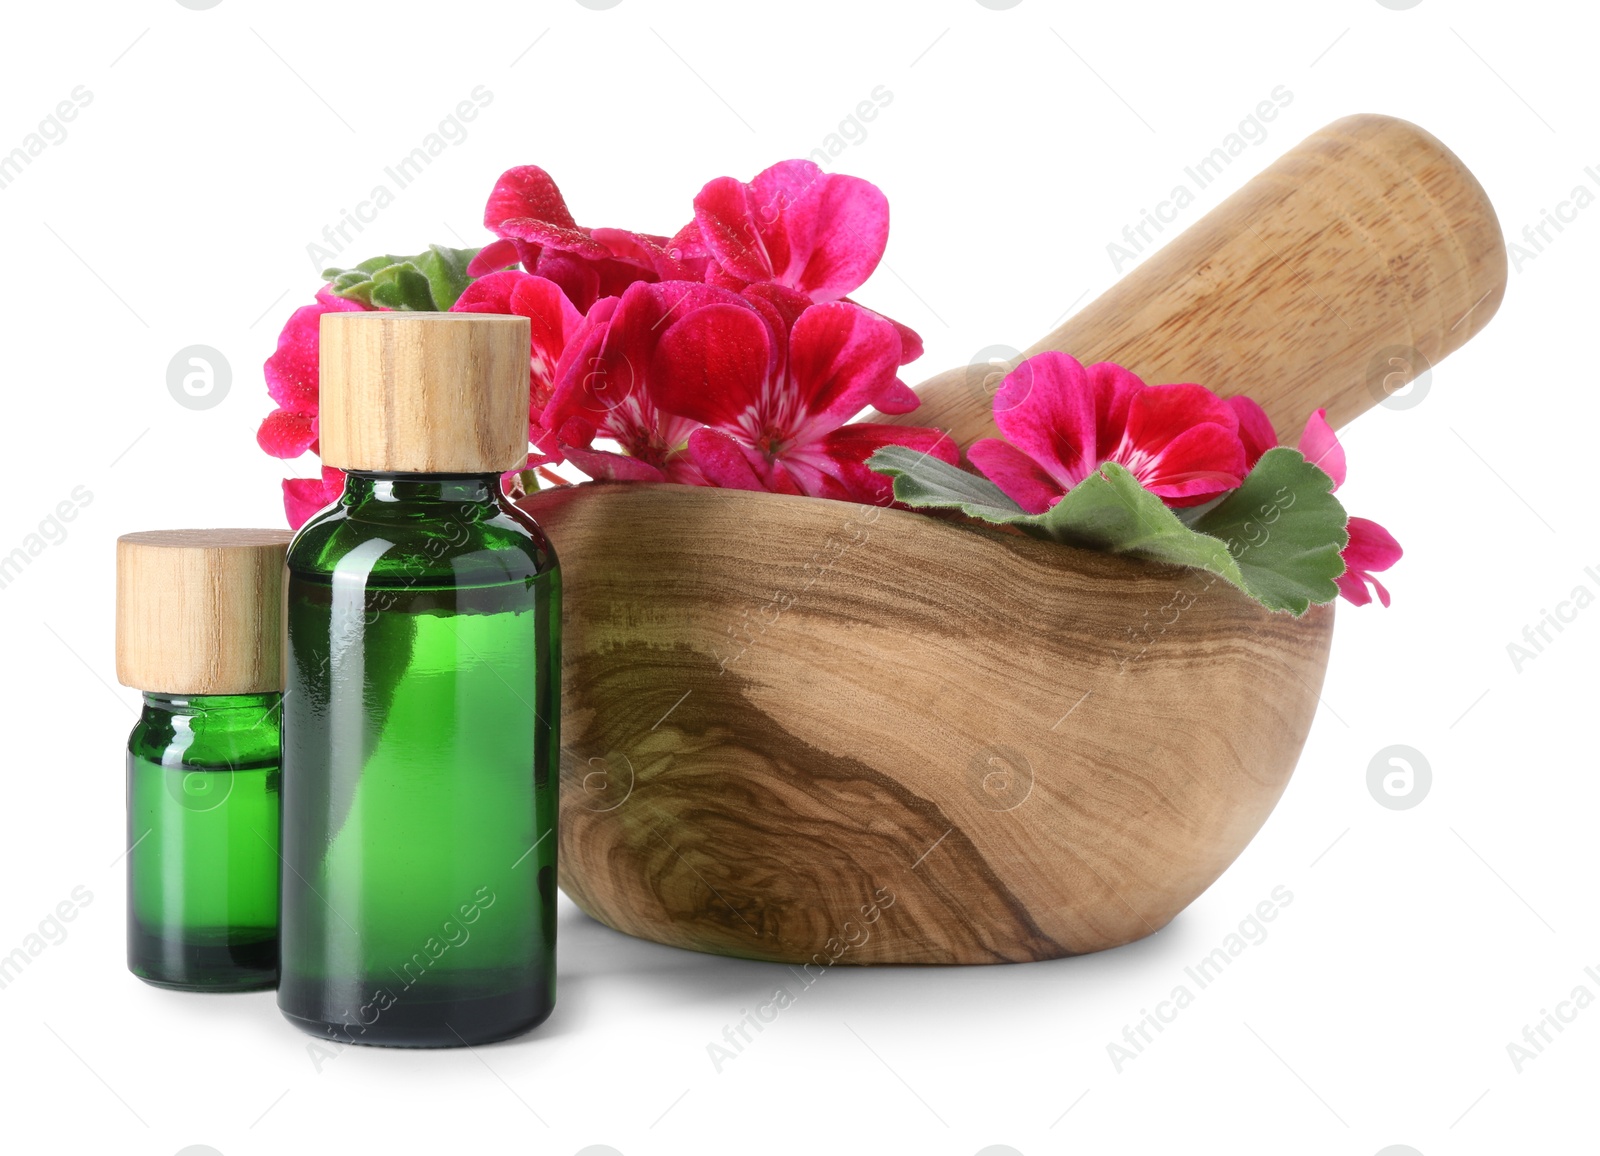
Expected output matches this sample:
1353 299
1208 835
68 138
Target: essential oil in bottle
420 720
199 620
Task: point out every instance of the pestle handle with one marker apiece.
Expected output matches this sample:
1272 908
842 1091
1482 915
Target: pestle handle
1354 262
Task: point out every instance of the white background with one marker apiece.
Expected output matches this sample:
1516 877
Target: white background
1018 143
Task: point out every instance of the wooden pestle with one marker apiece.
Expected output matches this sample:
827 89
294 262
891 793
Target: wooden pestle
1354 262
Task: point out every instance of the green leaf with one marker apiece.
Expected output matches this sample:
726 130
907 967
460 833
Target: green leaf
924 481
402 286
1110 510
353 284
446 271
1285 529
430 281
373 264
1277 537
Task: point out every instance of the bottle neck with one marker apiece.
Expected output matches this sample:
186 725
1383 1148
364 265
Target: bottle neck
214 731
368 487
221 707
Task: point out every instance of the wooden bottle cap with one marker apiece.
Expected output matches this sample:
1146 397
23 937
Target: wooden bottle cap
201 611
426 393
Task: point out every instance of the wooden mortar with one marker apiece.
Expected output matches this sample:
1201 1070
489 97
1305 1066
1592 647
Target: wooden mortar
814 732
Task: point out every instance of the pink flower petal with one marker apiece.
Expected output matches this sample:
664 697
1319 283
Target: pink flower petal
648 253
716 275
712 364
303 497
684 470
493 256
842 359
1024 480
580 280
604 376
1046 408
910 342
291 371
602 369
1353 589
552 321
899 398
724 462
820 233
286 434
529 254
785 202
847 237
537 231
1182 443
526 205
1194 467
1255 429
603 465
728 229
1371 546
576 432
781 307
526 191
490 293
1114 390
849 447
1321 447
811 472
910 339
1159 413
685 245
547 449
781 303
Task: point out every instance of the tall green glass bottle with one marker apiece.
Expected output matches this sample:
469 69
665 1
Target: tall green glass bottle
198 629
420 738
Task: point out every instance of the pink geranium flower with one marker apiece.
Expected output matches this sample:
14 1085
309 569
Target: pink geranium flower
819 233
1372 549
552 322
1063 421
606 384
726 354
536 229
773 382
291 373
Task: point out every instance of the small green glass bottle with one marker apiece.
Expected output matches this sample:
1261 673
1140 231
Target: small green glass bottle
420 717
198 630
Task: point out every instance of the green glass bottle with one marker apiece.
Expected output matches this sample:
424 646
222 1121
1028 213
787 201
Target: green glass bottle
203 825
420 716
198 627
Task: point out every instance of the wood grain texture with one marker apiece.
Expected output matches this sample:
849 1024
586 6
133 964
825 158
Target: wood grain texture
1006 736
200 611
806 731
433 393
1367 242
